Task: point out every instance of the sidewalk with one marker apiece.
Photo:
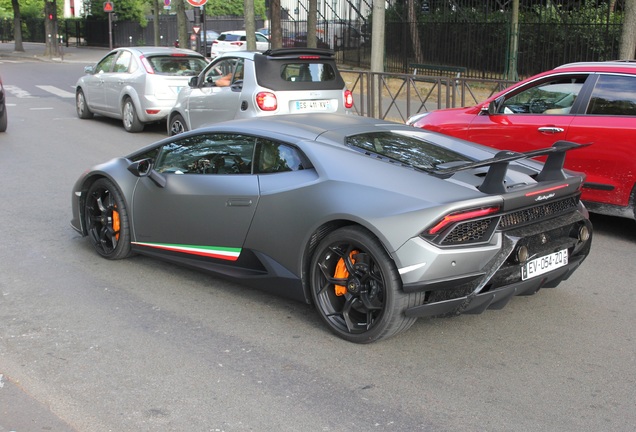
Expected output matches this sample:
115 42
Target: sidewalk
72 54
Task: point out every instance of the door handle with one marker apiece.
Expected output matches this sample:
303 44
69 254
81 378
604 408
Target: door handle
551 129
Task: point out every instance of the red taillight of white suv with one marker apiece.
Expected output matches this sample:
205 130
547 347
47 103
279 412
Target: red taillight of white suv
348 99
266 101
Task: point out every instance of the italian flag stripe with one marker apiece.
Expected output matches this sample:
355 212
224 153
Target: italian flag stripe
225 253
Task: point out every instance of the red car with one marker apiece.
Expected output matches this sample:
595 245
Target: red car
581 102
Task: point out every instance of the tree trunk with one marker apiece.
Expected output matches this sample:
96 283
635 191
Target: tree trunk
250 25
627 49
155 23
275 30
50 28
312 21
414 30
182 24
17 26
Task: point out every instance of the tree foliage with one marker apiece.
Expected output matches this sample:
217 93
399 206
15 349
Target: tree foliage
232 8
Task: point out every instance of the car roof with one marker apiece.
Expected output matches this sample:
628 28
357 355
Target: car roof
280 53
304 126
619 65
154 50
238 32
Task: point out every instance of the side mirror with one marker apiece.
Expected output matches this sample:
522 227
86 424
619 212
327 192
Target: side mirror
194 82
495 106
143 168
140 168
89 69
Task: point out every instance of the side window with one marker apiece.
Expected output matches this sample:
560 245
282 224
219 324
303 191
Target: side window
105 64
208 154
222 72
123 62
277 157
555 96
614 95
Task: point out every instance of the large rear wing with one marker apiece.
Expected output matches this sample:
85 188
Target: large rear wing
494 181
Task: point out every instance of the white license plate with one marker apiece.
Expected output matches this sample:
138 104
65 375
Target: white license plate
544 264
313 105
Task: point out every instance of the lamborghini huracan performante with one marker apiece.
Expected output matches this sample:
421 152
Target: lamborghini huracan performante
373 222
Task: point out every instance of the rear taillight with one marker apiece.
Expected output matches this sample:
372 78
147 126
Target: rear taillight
460 216
348 99
147 65
266 101
237 43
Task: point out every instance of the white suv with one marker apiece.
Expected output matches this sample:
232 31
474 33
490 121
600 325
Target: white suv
247 84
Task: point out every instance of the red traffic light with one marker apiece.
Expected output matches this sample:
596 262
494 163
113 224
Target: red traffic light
51 17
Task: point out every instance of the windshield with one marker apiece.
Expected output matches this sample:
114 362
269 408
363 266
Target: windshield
405 149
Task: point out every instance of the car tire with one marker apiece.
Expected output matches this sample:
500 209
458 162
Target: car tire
81 105
177 125
129 117
106 220
372 306
3 120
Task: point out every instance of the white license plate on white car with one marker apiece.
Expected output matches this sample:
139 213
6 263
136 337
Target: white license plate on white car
544 264
313 105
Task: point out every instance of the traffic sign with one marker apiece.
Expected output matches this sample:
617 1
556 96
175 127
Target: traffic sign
108 7
196 29
197 2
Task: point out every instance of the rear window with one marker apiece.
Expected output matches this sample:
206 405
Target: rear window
231 37
177 65
298 72
405 149
308 72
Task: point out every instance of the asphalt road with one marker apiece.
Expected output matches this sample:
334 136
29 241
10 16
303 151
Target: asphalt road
88 344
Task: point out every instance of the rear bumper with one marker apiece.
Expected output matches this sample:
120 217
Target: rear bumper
497 298
495 283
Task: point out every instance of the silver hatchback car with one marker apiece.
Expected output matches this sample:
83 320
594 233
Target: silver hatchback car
138 85
249 84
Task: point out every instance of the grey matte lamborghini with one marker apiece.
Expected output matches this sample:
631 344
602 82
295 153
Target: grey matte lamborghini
374 222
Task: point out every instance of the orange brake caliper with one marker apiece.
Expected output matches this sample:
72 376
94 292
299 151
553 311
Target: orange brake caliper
116 223
341 272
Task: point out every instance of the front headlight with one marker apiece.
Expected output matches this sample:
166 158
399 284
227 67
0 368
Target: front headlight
417 117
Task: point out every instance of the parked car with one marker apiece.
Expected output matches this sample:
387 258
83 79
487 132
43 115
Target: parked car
3 109
248 84
300 40
210 37
287 36
375 223
231 41
591 103
138 85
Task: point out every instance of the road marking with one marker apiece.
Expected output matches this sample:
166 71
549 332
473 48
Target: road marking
18 92
56 91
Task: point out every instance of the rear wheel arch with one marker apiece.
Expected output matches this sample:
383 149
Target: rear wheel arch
314 240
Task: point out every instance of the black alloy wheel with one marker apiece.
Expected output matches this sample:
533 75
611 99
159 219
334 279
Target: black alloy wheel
357 289
106 220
